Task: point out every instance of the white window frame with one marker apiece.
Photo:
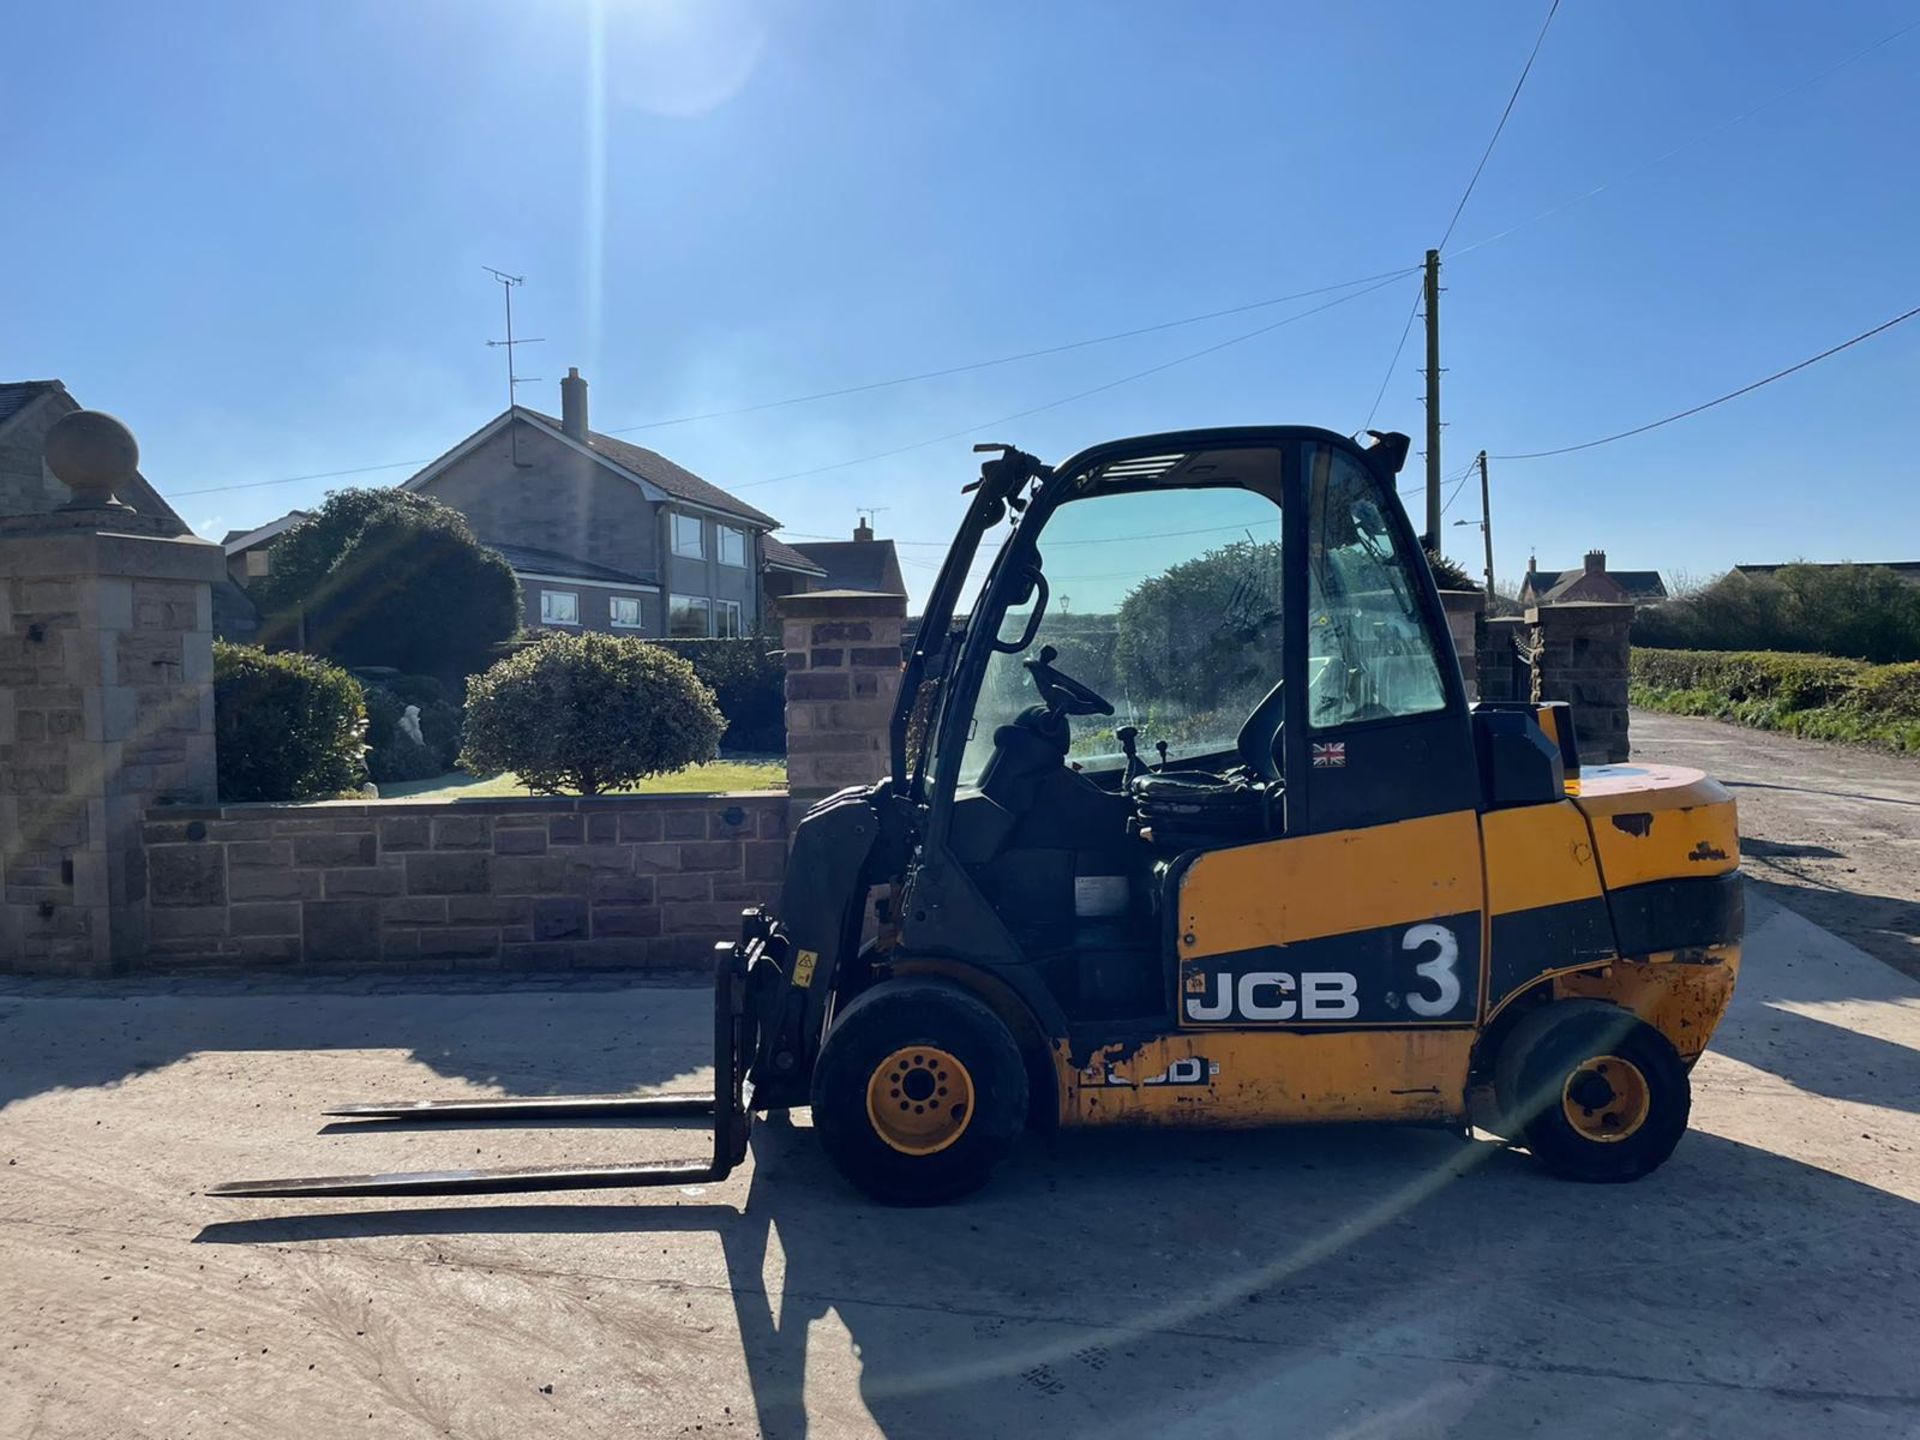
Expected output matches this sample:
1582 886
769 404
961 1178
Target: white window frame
613 612
546 611
733 532
700 602
723 609
699 543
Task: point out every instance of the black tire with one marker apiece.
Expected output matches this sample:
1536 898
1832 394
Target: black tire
919 1016
1569 1047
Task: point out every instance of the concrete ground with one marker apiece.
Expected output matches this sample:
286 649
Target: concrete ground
1351 1283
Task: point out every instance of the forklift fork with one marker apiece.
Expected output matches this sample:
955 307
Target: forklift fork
729 1106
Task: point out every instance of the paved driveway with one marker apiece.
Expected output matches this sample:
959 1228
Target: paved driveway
1765 1283
1831 830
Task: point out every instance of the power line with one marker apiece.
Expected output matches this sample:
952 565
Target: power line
1394 363
1070 345
1720 400
1068 399
1688 144
1487 154
1368 280
1465 195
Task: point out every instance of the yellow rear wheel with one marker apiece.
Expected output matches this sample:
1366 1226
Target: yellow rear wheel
920 1100
1606 1099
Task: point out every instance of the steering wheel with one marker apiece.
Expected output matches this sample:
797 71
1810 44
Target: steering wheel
1062 693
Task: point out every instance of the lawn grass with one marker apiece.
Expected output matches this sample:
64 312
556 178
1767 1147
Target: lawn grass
715 776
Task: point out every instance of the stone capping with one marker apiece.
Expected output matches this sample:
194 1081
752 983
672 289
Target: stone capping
562 882
824 604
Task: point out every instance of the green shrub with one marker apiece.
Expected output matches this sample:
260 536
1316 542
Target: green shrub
589 713
391 754
1450 574
748 678
286 727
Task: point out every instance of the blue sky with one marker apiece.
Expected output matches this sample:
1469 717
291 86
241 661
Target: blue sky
256 233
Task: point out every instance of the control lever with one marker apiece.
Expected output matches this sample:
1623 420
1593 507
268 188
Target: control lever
1161 746
1127 735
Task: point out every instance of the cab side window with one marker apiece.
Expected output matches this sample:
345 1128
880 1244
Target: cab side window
1369 656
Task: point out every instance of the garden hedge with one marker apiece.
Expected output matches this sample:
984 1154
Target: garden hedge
286 726
1817 696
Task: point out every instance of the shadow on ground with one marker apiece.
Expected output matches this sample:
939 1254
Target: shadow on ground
1200 1284
523 1039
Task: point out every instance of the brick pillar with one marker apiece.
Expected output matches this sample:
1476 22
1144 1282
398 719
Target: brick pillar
106 705
1465 609
843 675
1580 656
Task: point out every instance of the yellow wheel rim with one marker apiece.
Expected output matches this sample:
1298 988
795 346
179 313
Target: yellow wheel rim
920 1100
1606 1099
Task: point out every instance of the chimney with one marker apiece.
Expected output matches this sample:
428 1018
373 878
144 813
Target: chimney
862 530
573 404
1596 562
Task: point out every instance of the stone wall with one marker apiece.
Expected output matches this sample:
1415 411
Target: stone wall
1580 656
645 881
843 675
1503 673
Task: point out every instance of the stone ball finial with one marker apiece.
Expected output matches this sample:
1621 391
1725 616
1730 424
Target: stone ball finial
93 455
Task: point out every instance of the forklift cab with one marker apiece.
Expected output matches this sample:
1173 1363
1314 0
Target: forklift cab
1189 647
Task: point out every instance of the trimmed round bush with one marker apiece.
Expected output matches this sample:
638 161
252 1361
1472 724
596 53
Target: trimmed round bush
286 726
589 713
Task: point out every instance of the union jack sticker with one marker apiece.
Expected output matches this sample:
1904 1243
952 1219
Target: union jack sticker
1329 754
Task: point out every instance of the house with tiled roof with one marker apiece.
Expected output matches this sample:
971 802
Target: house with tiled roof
1592 581
608 535
28 409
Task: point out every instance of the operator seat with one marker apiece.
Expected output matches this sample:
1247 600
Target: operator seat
1188 808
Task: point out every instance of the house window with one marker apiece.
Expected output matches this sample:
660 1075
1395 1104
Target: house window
559 607
733 546
690 617
728 620
689 537
626 612
259 562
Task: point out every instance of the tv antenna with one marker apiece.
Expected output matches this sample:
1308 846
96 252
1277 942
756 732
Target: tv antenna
507 282
865 513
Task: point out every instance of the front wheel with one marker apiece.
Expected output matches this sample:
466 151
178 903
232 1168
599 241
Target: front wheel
919 1092
1598 1094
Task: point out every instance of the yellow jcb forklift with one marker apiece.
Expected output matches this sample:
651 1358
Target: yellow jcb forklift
1189 822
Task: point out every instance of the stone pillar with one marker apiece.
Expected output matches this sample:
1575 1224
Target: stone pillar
1465 610
1498 659
843 675
106 705
1580 656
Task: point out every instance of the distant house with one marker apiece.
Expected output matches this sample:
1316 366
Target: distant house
1592 581
250 552
1907 570
605 535
28 409
862 563
785 571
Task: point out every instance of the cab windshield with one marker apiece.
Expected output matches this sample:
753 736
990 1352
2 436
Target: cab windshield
1165 601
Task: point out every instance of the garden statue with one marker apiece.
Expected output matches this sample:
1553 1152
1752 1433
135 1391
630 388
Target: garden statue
409 725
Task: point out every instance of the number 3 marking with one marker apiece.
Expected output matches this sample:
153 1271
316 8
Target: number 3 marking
1440 969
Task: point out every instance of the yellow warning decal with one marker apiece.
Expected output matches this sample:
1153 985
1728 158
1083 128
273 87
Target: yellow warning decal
803 964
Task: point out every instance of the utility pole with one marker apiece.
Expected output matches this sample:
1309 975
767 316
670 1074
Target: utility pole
507 282
1432 538
1486 525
